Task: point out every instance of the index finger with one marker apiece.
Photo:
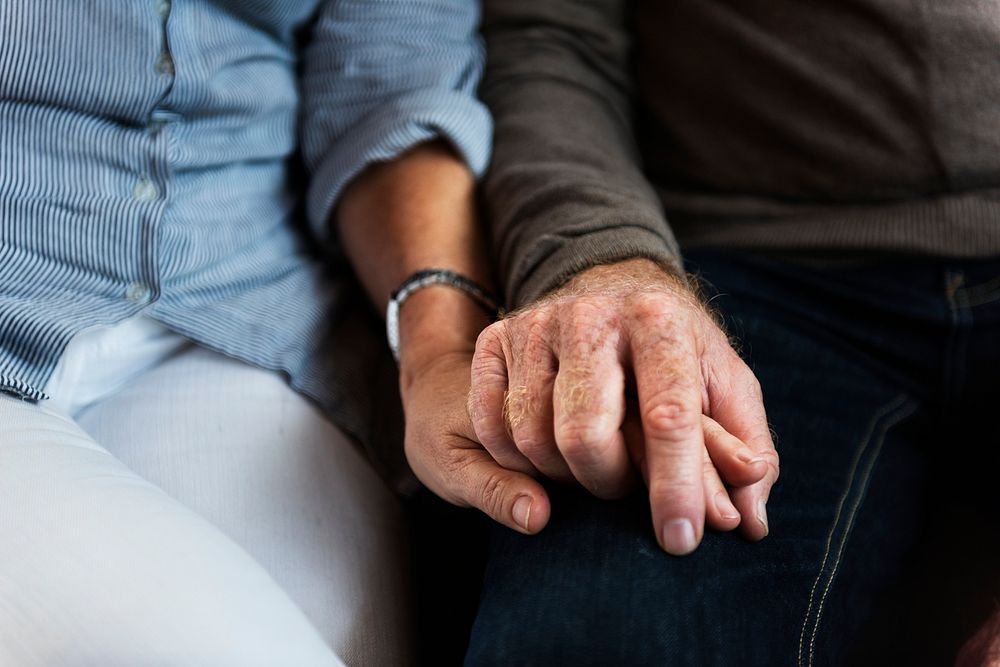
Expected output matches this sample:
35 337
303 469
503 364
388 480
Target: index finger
487 393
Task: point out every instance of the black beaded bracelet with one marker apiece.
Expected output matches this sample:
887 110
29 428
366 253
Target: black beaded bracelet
426 278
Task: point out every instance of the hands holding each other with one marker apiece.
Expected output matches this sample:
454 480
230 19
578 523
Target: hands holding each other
621 370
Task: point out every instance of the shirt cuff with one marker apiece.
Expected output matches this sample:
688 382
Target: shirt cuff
568 256
392 130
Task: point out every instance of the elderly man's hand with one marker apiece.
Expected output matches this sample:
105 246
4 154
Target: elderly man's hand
622 369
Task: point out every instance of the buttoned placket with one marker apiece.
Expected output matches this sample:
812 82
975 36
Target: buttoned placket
146 190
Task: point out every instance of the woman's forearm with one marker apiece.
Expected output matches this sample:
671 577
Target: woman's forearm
413 213
417 212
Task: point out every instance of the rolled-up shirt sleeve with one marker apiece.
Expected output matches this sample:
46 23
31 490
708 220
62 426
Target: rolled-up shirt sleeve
380 77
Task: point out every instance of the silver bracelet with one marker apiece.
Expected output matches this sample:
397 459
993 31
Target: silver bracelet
426 278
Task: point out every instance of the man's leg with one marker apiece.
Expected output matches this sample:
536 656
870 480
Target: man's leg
951 582
236 445
99 567
594 589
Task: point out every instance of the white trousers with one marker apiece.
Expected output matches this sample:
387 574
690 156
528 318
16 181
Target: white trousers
171 506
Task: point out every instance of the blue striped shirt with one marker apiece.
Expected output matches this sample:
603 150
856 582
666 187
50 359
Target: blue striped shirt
181 158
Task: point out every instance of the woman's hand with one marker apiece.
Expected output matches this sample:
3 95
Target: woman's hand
443 452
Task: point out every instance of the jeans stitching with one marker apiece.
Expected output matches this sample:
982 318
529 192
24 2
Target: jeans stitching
897 417
879 416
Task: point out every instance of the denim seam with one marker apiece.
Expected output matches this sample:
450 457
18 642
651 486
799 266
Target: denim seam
888 416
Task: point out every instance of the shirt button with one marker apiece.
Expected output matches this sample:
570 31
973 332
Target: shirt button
159 119
165 64
163 8
138 293
145 190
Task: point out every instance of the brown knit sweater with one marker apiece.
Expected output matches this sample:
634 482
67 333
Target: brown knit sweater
843 126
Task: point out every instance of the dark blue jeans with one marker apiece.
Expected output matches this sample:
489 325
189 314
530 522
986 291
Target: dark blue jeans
882 384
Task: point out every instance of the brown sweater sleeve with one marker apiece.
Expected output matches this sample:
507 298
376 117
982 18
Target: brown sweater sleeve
565 190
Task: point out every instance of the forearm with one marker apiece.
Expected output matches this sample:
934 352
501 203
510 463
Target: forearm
416 212
565 190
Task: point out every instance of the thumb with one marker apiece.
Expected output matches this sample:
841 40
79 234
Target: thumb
511 498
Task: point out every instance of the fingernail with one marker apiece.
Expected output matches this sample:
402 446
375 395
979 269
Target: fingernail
725 506
678 537
522 511
762 515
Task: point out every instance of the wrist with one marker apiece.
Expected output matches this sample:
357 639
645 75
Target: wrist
622 278
637 271
435 324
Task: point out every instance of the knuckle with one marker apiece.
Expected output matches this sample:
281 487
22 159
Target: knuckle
533 317
584 315
583 338
581 440
532 445
649 299
773 462
536 327
528 335
533 339
662 307
647 306
669 418
489 429
581 310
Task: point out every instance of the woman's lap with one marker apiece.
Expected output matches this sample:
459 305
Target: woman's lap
221 520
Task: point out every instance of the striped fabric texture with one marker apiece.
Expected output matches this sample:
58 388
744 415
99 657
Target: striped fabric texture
149 162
